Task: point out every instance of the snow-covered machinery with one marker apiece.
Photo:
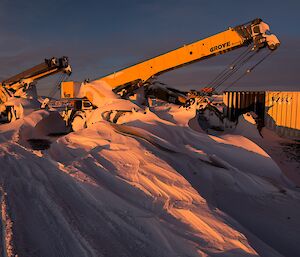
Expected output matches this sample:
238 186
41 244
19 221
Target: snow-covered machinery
253 35
19 91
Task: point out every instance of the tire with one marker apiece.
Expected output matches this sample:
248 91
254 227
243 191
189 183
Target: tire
78 123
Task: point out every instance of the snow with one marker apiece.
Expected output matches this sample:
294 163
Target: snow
99 92
150 184
247 126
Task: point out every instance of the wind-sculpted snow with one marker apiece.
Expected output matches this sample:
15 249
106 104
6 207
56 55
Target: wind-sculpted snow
147 185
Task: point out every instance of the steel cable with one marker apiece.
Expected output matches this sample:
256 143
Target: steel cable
249 70
231 67
56 87
220 82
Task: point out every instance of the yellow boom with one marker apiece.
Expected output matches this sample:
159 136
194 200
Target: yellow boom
243 35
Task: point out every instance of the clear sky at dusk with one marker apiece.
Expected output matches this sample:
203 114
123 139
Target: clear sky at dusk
100 37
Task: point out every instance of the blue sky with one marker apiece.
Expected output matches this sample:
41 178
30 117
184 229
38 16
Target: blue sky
103 36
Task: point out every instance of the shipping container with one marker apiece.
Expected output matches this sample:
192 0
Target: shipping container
239 102
282 113
276 110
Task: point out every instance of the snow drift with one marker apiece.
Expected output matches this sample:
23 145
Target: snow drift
147 185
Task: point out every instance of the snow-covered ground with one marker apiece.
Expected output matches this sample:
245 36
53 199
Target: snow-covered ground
151 184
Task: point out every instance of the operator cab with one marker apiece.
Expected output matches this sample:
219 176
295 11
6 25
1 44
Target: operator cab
79 104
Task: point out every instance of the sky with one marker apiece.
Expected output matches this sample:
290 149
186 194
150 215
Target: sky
100 37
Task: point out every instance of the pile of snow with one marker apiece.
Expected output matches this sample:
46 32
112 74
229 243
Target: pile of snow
22 106
148 185
98 92
247 126
37 125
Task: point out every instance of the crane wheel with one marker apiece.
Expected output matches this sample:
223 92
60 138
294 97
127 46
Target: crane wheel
78 123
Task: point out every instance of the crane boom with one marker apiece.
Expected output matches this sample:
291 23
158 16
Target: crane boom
239 36
17 85
10 86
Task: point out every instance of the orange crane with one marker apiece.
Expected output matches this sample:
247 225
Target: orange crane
17 85
125 82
